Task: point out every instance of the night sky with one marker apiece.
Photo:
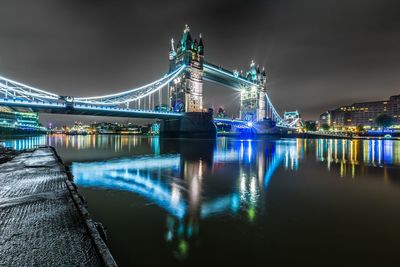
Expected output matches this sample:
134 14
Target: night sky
318 54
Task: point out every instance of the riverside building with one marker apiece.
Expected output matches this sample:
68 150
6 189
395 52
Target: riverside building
19 122
362 114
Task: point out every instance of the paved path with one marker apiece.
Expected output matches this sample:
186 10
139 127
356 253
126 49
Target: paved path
42 219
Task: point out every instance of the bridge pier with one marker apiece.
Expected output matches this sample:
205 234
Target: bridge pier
190 125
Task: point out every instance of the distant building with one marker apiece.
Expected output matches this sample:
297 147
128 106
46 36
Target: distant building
325 118
363 114
221 113
21 121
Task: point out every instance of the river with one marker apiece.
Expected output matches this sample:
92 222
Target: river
286 202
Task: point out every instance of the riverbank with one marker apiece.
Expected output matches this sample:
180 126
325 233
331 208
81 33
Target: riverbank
317 135
43 220
7 131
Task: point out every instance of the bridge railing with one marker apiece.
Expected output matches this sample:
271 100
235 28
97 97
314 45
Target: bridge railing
13 88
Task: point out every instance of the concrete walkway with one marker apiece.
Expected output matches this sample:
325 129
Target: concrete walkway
42 219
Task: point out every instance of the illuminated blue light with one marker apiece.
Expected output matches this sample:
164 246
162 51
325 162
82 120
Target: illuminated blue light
26 102
105 99
236 123
235 203
132 111
142 163
123 179
29 143
206 66
25 89
220 205
125 174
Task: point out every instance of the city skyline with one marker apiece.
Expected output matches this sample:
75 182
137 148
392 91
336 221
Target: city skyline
332 53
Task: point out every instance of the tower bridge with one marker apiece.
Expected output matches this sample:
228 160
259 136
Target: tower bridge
176 98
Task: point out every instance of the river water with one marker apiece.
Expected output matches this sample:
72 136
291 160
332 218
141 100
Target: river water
285 202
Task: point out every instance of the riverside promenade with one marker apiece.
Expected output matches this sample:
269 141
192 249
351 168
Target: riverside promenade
43 221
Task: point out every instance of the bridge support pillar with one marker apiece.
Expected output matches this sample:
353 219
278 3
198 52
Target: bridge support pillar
190 125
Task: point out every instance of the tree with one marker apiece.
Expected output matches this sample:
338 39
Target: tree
221 113
360 128
310 126
384 120
325 127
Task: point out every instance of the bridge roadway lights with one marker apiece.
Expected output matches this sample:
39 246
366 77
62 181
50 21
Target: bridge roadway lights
190 125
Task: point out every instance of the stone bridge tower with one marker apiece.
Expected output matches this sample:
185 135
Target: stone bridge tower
186 91
252 100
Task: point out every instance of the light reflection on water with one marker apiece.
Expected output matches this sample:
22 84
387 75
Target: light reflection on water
193 182
371 152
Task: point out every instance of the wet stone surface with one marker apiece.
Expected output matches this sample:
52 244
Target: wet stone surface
6 154
39 223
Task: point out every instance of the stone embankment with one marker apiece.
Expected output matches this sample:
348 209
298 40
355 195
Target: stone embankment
43 220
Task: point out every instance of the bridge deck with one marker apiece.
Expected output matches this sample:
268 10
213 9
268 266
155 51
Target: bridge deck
90 110
42 221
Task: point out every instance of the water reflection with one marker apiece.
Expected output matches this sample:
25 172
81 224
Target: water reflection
193 182
115 143
350 153
174 182
26 143
371 152
141 176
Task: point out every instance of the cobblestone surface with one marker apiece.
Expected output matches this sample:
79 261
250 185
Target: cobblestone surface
39 223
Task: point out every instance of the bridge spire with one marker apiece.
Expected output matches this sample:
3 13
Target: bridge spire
186 40
200 48
187 29
172 54
172 45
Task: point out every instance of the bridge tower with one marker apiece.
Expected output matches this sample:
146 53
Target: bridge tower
252 100
186 91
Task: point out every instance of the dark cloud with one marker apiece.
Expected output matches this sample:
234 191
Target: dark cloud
318 54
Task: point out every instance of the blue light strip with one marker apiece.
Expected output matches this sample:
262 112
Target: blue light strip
276 161
13 92
28 103
273 108
154 191
220 205
127 174
4 81
147 163
148 112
